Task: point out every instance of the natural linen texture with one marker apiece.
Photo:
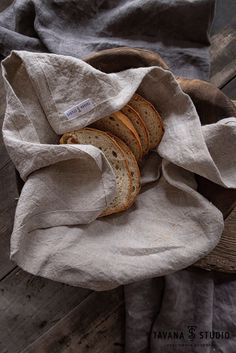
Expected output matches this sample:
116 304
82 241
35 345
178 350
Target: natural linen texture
175 29
56 233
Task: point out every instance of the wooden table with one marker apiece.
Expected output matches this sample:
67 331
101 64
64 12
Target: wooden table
39 315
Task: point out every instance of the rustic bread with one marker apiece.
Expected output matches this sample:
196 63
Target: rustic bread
119 125
116 157
151 118
139 125
133 168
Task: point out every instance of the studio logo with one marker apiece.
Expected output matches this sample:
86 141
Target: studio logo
192 332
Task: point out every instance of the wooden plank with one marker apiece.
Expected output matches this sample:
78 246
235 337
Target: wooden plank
230 88
223 256
31 305
223 42
8 201
8 188
108 337
223 15
223 46
96 325
4 158
6 224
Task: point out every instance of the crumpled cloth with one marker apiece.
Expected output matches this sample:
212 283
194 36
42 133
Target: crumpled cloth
56 231
188 311
29 25
176 29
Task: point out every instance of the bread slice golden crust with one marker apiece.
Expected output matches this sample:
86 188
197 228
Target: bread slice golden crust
119 125
117 159
151 118
133 168
139 125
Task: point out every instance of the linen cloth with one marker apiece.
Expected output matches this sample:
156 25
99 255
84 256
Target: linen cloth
22 27
176 29
56 233
198 303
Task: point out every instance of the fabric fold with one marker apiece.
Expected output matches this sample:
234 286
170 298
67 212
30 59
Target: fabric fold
169 227
77 29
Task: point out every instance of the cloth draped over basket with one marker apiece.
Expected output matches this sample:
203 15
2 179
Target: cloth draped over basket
56 233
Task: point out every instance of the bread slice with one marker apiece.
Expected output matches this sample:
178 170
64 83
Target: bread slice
119 125
151 118
133 168
117 159
139 125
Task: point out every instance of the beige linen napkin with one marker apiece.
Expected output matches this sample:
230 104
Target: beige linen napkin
56 233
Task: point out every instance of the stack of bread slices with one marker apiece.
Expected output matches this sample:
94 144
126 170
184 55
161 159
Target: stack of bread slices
124 137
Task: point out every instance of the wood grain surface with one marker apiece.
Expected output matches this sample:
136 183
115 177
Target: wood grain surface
95 325
7 211
224 255
223 47
230 88
30 306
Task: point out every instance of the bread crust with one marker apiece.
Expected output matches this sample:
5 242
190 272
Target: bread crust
129 147
102 124
73 135
140 126
139 99
132 165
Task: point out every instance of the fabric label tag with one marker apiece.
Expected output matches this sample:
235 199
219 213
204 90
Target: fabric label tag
79 109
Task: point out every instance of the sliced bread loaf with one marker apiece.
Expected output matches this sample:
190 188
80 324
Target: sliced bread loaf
139 125
117 159
133 168
151 118
119 125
